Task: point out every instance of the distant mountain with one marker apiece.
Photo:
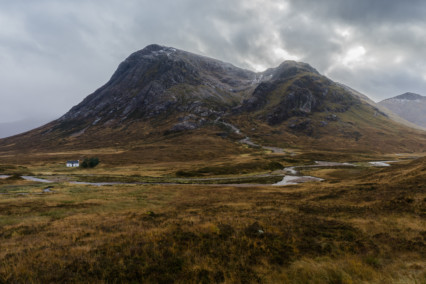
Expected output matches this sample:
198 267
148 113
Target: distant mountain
165 94
410 106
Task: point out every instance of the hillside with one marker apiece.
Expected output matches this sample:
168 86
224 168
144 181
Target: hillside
409 106
169 102
210 173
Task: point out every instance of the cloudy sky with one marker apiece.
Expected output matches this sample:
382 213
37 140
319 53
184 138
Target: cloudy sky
54 53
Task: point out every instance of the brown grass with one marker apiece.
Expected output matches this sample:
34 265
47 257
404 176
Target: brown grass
355 230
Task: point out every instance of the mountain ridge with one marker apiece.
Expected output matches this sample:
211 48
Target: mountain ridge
409 106
159 92
407 96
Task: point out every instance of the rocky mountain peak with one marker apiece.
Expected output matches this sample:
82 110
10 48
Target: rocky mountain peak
410 106
164 80
291 68
409 96
160 83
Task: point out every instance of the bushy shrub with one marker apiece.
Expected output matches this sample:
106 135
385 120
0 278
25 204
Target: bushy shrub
90 162
15 177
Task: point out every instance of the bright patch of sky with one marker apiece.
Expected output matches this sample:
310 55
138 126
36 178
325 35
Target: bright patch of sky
281 53
354 55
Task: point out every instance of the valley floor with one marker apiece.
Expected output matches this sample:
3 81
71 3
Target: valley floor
362 224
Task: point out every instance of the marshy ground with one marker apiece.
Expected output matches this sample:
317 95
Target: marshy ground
361 224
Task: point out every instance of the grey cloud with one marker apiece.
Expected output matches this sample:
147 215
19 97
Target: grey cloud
364 12
392 33
54 53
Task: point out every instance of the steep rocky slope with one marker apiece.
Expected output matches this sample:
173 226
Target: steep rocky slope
158 81
410 106
161 93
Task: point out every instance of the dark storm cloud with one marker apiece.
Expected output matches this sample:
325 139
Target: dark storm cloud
54 53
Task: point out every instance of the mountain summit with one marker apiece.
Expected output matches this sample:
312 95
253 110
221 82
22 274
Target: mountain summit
410 106
408 96
158 80
160 92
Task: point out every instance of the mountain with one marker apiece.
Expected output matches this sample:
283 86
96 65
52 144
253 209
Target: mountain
410 106
187 106
159 80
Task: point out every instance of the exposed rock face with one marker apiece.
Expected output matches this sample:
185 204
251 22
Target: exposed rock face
410 106
297 89
158 80
162 80
161 90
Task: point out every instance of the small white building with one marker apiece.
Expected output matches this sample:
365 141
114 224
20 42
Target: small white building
73 164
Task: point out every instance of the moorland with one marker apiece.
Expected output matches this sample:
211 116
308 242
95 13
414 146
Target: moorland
216 221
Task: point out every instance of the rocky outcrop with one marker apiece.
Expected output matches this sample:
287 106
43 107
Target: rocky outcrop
161 80
296 89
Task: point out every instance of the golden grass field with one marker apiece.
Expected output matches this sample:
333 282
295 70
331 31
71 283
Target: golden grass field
361 225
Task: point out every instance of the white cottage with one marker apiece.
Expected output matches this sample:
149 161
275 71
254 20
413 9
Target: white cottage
73 164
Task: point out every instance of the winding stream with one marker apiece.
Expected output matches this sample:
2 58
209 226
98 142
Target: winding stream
31 178
291 176
291 180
